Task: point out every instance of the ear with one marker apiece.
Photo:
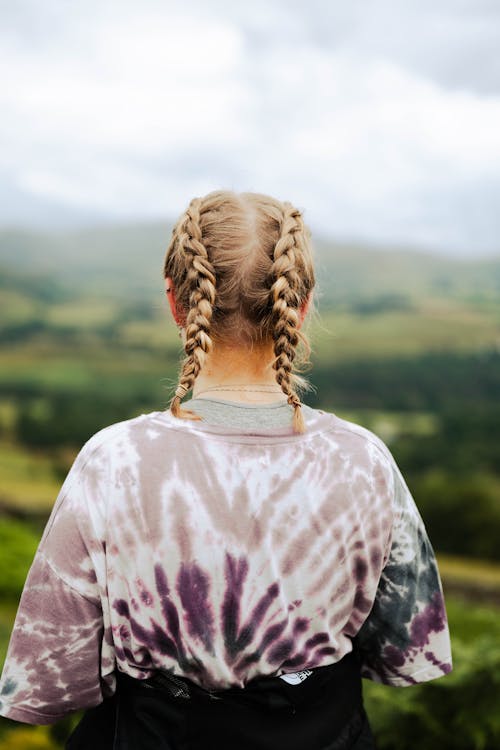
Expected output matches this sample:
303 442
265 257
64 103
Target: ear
304 308
170 292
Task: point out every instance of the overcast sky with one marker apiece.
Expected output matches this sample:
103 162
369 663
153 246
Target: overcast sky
381 119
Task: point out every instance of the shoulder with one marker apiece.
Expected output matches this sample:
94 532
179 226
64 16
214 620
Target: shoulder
357 446
364 449
378 459
355 434
116 437
97 460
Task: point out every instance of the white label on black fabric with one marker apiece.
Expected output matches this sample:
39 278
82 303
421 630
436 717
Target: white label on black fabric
295 678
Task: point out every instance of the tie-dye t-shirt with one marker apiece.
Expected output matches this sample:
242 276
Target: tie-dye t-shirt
222 553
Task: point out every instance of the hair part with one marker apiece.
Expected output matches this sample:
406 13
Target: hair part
242 267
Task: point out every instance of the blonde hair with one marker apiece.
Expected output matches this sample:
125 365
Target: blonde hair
242 266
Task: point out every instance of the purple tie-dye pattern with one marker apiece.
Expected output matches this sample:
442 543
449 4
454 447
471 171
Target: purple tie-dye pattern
237 640
167 639
443 666
431 620
280 552
193 586
168 608
236 572
409 594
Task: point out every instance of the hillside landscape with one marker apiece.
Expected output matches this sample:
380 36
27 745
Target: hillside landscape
404 342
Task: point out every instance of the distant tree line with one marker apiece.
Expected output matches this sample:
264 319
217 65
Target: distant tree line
431 381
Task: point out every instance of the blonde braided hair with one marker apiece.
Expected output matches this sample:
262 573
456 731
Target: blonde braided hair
286 302
201 281
242 267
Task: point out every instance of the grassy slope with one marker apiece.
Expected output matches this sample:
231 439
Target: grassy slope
453 326
130 257
88 282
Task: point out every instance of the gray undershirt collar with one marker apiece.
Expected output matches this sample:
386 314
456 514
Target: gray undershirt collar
224 412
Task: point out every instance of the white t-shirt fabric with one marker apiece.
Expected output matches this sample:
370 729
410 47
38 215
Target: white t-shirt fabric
222 550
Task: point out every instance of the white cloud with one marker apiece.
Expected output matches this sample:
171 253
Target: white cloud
129 109
139 85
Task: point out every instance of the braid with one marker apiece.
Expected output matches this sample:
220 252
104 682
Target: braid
286 301
242 268
201 282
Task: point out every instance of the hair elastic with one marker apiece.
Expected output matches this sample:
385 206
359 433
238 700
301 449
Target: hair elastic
181 391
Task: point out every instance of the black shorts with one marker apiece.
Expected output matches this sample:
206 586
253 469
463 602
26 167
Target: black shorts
324 712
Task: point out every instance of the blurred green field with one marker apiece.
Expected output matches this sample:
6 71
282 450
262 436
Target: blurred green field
433 326
406 344
28 480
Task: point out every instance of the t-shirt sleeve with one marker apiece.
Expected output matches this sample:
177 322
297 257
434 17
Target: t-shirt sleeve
405 639
59 649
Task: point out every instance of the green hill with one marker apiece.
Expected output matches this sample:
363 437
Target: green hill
129 258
